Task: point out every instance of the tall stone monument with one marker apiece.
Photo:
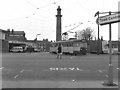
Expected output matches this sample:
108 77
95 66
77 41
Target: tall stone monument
58 24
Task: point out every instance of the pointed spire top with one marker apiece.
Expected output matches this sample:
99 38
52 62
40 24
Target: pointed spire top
59 8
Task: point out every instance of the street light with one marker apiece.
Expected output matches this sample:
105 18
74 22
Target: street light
110 71
37 35
97 14
36 40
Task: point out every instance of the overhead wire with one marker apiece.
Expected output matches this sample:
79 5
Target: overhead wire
45 6
39 8
53 3
87 10
75 26
73 16
31 4
71 24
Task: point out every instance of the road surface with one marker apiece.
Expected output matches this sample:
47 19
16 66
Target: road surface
45 70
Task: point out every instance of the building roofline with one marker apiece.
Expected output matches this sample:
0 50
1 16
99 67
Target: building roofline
1 30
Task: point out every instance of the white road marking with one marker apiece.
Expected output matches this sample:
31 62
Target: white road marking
22 71
16 76
100 71
118 68
2 68
106 76
67 69
73 80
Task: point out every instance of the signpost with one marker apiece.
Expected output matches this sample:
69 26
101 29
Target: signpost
108 19
103 20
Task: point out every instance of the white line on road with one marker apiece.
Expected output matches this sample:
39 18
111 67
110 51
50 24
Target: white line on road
118 68
73 80
100 71
1 68
22 71
66 69
106 76
16 76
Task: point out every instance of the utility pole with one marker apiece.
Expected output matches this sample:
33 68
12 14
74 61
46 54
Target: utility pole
98 52
110 74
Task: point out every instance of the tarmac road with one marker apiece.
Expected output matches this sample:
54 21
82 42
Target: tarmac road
44 68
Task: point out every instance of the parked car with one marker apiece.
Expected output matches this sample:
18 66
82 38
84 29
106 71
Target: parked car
17 49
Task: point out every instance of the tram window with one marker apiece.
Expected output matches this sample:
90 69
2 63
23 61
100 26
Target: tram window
65 44
76 44
53 45
115 46
69 44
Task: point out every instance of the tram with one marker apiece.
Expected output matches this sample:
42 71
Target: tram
72 47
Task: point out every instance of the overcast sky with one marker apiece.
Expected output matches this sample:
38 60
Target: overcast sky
38 16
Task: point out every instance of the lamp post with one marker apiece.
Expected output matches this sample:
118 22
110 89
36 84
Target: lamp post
97 14
37 35
110 70
36 39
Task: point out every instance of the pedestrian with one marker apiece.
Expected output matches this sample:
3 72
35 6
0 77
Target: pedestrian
59 51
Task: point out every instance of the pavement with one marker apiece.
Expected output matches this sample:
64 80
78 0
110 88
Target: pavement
55 84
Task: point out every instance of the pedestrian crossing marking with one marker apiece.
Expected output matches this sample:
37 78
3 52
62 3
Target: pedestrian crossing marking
16 76
1 68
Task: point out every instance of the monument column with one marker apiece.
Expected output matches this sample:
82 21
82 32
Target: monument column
58 24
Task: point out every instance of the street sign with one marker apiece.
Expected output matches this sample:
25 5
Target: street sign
113 18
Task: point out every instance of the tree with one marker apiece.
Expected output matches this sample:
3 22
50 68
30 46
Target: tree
8 30
87 33
12 30
79 35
